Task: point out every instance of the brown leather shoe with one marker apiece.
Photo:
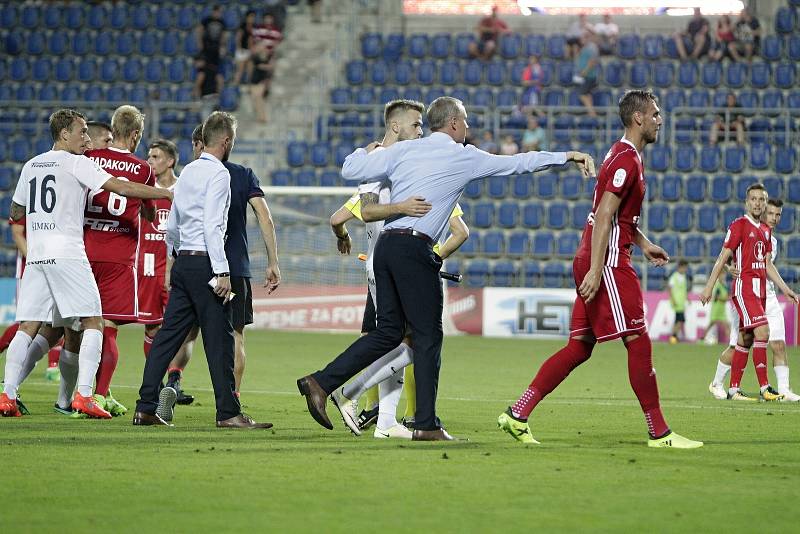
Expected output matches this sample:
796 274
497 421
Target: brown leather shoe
147 419
316 398
242 421
432 435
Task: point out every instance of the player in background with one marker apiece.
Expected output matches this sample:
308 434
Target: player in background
678 284
749 242
609 303
777 329
99 134
57 285
718 316
111 236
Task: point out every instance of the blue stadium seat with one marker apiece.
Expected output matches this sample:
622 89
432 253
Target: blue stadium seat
532 215
371 45
659 158
694 247
498 186
774 186
433 93
341 151
785 75
571 186
639 74
534 44
493 243
483 214
663 74
523 186
670 243
771 47
378 73
356 72
21 150
730 214
562 128
461 45
674 98
696 186
117 93
556 46
742 183
510 45
29 17
564 73
185 19
759 155
553 275
417 45
614 73
652 46
363 96
296 153
788 220
655 278
154 70
7 177
508 214
413 93
628 46
699 98
759 75
711 74
440 45
579 214
42 70
588 128
532 271
508 98
671 185
472 73
785 160
306 178
772 99
785 20
543 244
553 97
449 73
472 244
684 160
503 274
736 75
687 74
393 47
557 215
47 92
734 159
793 189
793 47
495 73
519 243
320 154
546 185
403 72
567 244
474 189
708 218
657 215
478 273
710 158
330 178
793 248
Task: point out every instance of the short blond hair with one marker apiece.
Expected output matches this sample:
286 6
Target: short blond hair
125 120
217 125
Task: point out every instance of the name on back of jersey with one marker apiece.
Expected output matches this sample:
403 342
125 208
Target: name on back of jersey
116 165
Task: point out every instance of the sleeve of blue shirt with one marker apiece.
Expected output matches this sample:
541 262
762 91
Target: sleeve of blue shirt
217 194
254 189
485 165
372 166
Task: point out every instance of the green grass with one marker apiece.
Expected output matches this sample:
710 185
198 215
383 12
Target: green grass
592 471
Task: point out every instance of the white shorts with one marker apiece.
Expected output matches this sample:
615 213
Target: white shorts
777 327
242 55
61 291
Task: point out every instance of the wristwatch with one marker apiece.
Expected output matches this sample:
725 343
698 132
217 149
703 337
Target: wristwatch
223 275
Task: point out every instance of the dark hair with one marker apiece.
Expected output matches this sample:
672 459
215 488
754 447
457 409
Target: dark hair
197 134
777 202
99 125
395 106
168 147
61 119
754 187
683 263
633 101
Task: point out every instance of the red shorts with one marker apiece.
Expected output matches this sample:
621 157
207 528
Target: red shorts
152 299
617 309
117 285
751 310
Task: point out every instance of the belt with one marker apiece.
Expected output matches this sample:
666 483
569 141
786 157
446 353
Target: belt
411 232
192 253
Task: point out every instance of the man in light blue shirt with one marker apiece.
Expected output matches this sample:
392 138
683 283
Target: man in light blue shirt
200 280
435 168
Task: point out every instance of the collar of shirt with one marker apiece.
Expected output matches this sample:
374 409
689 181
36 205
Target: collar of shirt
209 157
441 137
627 142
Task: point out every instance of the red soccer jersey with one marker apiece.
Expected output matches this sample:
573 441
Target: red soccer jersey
622 174
111 221
152 242
750 242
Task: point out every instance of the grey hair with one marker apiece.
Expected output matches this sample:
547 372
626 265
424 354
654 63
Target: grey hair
217 125
442 109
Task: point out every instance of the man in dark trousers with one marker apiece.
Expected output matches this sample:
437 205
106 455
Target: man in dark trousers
201 284
436 169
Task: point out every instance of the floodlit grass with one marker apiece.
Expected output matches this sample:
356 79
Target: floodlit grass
593 470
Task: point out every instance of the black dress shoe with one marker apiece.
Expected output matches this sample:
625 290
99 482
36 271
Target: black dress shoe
242 421
439 434
147 419
316 398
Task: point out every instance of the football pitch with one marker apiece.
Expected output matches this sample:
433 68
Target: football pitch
593 470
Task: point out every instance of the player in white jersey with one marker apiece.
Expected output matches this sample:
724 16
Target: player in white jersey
777 328
58 285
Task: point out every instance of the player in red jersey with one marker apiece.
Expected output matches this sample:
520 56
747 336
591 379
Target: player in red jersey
609 301
111 236
749 242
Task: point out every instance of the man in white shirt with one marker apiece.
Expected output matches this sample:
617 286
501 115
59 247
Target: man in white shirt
200 281
607 33
58 285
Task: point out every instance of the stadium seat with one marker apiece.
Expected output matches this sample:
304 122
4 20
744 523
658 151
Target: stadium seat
378 73
793 189
785 20
483 214
493 243
495 73
553 275
772 99
474 189
614 73
655 278
687 74
403 73
785 75
699 98
671 244
734 159
36 44
449 73
508 214
684 160
371 45
522 186
759 156
788 220
735 75
393 47
503 274
711 74
774 186
730 214
355 72
546 185
320 154
793 47
556 46
785 160
793 248
519 243
571 186
567 244
461 45
471 246
657 216
674 98
532 215
498 186
628 46
21 150
508 98
472 73
663 74
557 215
579 214
671 185
694 247
306 178
57 44
417 46
710 158
652 46
696 186
771 47
708 218
742 183
478 273
759 75
296 153
659 158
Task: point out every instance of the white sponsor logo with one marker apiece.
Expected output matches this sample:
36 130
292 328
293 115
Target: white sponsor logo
619 177
162 216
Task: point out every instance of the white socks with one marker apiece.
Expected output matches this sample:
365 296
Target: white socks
89 360
389 391
15 361
68 365
782 374
722 371
36 351
379 370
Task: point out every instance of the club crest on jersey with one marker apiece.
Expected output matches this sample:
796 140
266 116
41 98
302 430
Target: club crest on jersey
162 216
758 251
619 177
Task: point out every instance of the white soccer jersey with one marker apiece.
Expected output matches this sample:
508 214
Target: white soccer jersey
770 285
53 187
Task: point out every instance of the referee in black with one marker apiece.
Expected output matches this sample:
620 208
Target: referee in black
436 169
195 231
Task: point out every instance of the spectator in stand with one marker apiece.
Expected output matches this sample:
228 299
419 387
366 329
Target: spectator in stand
724 45
732 121
532 78
607 33
276 8
267 34
208 85
211 36
244 39
263 66
489 30
534 138
748 35
508 147
575 33
695 39
488 144
586 70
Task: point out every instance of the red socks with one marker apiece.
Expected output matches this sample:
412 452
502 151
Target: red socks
738 363
148 344
108 361
53 355
643 381
8 335
551 374
760 361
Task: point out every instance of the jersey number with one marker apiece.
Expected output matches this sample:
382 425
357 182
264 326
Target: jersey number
48 195
116 203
